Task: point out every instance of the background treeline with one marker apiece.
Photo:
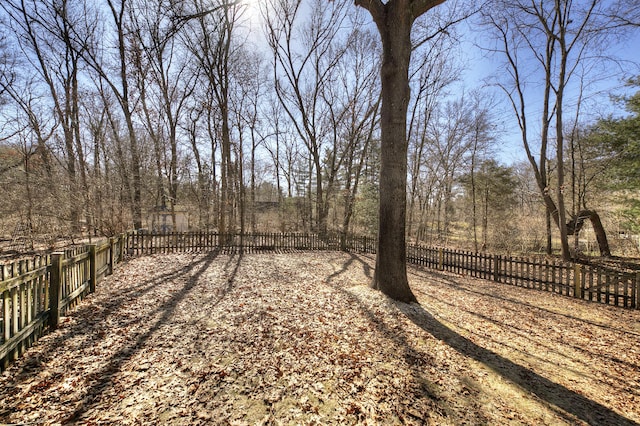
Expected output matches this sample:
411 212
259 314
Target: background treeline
221 115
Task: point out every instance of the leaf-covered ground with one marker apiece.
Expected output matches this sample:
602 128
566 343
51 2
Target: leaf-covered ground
299 338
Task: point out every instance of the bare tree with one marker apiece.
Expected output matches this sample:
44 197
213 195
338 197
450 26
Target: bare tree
196 128
481 137
26 169
210 41
249 86
556 37
45 33
431 75
116 161
284 153
622 14
21 94
165 85
304 55
89 42
354 101
7 64
453 135
394 20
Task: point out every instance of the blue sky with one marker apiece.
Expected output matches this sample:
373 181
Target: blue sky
609 81
482 68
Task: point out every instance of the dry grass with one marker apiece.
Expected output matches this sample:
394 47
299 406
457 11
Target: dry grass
299 338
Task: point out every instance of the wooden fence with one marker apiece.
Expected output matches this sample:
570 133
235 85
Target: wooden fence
143 243
593 283
35 292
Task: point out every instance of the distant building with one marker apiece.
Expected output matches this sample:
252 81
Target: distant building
160 219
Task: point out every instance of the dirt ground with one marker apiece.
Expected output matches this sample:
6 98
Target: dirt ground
299 338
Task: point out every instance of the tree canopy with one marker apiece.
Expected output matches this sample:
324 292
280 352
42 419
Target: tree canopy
619 139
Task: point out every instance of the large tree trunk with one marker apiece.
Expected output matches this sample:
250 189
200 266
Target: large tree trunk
391 269
394 20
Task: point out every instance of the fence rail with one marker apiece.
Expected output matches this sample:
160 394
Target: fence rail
34 293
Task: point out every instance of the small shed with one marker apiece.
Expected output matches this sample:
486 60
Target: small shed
160 219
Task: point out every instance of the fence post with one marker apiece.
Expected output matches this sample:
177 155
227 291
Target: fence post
496 267
55 289
577 281
92 268
112 254
636 299
122 241
441 259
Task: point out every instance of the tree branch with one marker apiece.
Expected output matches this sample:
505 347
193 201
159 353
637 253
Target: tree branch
419 7
375 7
180 20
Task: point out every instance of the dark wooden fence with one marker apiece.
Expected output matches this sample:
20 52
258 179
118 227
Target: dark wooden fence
143 243
593 283
35 292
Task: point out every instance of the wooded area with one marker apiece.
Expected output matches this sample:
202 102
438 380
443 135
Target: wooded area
224 130
244 117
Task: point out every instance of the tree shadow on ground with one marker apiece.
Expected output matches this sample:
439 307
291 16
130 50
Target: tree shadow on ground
552 393
167 308
395 337
449 280
103 379
32 365
566 402
366 268
523 333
